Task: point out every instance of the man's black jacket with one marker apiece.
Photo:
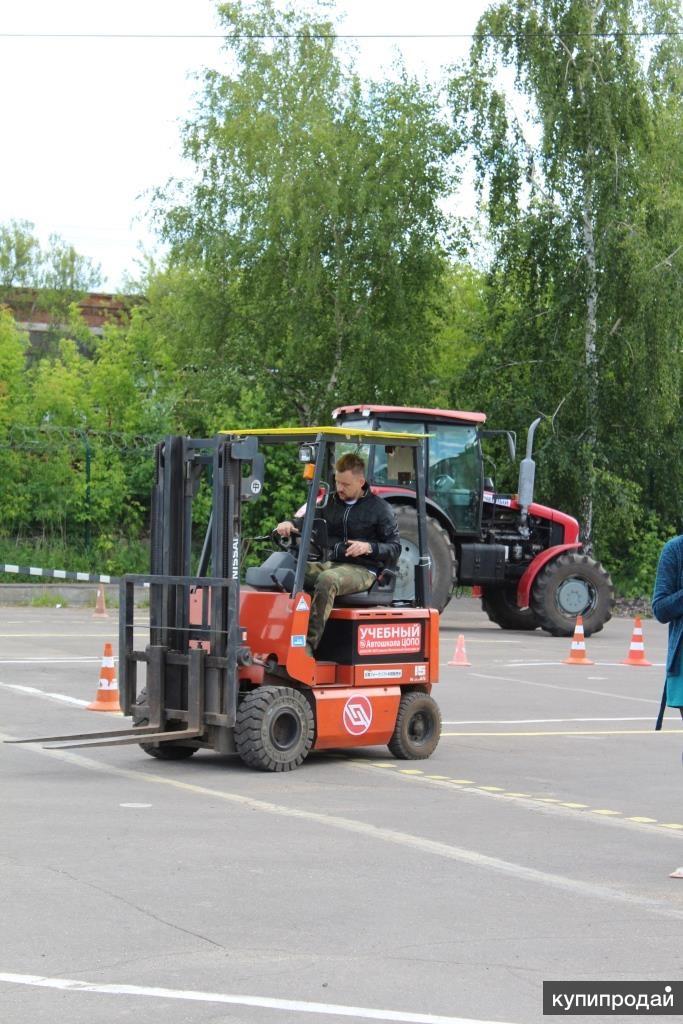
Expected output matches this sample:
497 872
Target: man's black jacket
371 519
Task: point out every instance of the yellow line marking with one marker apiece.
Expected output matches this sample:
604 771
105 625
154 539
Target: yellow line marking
380 764
500 791
571 732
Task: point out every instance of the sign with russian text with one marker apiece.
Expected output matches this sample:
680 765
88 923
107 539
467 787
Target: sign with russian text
390 638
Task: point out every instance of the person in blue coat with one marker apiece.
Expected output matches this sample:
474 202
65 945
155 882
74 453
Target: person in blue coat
667 605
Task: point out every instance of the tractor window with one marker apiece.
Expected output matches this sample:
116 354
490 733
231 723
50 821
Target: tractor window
454 479
394 463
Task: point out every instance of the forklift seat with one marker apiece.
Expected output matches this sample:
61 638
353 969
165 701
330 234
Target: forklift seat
381 592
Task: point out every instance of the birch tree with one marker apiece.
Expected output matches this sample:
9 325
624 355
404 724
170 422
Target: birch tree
580 177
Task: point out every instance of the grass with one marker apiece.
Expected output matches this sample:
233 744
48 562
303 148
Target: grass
49 600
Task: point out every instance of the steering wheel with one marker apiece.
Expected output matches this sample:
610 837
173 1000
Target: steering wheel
289 544
444 482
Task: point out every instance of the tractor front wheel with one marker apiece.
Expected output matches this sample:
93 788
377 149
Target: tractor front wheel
275 728
418 727
572 584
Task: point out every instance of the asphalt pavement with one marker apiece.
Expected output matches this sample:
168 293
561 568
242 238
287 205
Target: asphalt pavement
536 844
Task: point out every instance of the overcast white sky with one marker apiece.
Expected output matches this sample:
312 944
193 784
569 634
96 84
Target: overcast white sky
90 126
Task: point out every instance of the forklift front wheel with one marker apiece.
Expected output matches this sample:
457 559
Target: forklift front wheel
163 751
275 728
418 727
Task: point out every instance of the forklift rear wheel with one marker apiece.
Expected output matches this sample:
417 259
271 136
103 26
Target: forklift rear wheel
274 729
418 727
163 751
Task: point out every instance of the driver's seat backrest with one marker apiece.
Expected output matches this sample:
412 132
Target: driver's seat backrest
381 592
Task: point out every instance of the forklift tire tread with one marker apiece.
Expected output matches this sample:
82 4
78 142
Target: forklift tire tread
274 729
418 727
162 751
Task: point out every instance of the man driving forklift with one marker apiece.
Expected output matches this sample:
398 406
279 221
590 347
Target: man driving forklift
363 541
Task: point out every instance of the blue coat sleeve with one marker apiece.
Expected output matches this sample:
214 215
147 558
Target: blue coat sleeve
667 598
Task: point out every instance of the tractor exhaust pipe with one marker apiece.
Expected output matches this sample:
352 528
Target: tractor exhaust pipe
527 476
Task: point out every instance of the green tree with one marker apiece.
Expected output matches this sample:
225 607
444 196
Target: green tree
584 205
314 233
55 276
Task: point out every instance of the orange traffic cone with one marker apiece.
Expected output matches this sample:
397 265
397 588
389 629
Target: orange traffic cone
577 654
636 652
107 698
460 654
100 607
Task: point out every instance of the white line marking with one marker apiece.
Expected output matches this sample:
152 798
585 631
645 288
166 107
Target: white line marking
569 689
47 661
557 664
135 805
542 721
520 872
480 639
331 1009
33 691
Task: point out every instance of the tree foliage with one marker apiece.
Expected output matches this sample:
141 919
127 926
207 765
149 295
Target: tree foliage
314 229
585 213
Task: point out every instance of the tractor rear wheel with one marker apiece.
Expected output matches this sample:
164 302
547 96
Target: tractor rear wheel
162 751
444 565
418 727
275 728
572 584
500 604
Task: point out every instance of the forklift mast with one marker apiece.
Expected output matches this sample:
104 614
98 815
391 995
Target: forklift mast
236 468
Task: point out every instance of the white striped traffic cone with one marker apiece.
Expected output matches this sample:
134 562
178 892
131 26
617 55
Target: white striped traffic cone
577 654
636 652
107 698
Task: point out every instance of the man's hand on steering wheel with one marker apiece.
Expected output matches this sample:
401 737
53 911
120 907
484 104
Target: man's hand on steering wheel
285 535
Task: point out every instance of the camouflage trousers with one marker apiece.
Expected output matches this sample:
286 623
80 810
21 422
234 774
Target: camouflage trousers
325 580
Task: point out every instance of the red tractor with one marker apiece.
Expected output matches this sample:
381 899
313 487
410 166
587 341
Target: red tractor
526 559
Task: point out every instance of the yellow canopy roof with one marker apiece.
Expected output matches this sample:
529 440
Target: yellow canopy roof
329 433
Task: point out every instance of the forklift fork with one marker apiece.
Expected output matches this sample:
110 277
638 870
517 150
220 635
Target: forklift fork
153 732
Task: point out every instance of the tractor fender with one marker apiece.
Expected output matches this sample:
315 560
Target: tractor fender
527 580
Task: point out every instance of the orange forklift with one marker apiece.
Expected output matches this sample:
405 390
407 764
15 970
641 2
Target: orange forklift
226 666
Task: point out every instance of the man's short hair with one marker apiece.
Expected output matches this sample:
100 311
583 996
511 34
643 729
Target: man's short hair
351 463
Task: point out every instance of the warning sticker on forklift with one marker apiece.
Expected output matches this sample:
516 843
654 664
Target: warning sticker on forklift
302 606
357 716
299 640
398 638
